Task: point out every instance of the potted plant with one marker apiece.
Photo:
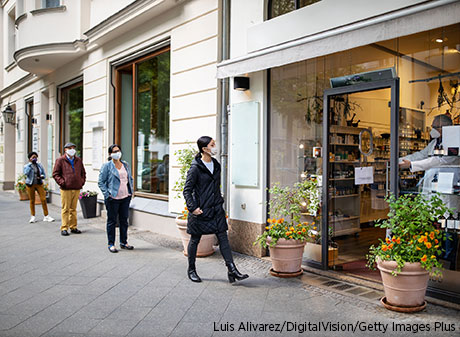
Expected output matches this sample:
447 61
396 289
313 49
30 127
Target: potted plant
206 245
46 187
408 256
21 187
284 234
88 203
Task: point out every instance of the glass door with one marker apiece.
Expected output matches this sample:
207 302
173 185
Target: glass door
358 132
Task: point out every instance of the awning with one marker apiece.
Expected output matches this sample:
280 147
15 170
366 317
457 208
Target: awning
430 15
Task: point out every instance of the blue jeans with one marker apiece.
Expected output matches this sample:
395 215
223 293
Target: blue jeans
117 209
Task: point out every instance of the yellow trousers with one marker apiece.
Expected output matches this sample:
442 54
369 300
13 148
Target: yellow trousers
41 192
69 199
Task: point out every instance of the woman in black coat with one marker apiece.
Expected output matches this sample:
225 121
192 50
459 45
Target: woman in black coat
206 213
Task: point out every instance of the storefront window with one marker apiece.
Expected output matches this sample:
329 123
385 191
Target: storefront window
142 120
280 7
72 116
427 65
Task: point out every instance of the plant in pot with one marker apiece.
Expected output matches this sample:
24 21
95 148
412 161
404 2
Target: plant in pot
88 203
206 245
21 187
46 187
313 247
285 234
408 256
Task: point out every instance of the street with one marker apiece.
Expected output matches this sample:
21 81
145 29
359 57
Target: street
52 285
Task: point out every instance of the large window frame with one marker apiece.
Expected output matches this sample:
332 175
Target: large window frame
62 90
131 66
297 5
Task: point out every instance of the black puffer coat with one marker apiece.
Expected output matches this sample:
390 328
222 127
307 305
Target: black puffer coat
202 189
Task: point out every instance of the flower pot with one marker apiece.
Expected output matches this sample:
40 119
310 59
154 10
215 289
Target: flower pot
313 252
286 255
407 288
89 206
206 245
23 195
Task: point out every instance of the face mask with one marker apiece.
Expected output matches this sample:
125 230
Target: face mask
116 155
213 151
34 160
71 152
434 133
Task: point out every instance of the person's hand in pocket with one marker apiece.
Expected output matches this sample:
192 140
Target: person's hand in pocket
198 211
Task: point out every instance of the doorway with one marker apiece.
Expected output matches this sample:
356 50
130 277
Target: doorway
360 134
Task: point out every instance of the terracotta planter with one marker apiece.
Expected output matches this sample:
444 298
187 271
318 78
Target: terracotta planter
408 288
23 195
206 245
313 252
37 199
286 255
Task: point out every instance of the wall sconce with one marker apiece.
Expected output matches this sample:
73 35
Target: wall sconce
8 115
48 117
1 128
241 83
33 121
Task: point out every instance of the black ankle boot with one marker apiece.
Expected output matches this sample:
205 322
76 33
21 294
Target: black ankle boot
234 274
192 275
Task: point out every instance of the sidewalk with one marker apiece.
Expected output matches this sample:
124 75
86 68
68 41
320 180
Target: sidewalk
72 286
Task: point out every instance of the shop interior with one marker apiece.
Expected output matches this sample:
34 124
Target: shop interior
428 66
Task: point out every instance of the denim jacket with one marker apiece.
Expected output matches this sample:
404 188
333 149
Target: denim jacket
29 172
109 179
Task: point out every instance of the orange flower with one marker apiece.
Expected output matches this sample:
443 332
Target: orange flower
282 220
421 239
388 256
226 216
436 246
390 246
432 235
418 248
292 229
413 236
398 240
384 248
299 225
269 220
288 233
428 245
423 259
433 257
285 227
436 241
393 239
387 240
410 241
299 233
304 230
314 228
267 227
186 208
437 231
290 237
425 239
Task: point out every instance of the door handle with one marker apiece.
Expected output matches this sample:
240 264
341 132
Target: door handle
371 143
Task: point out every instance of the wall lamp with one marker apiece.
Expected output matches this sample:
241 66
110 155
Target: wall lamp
8 115
241 83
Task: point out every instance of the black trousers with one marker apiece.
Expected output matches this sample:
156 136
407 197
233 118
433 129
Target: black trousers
224 247
117 209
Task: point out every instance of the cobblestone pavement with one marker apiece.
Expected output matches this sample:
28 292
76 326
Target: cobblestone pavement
72 286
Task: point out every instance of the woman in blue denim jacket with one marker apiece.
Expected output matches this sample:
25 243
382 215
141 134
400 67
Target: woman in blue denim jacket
116 184
35 174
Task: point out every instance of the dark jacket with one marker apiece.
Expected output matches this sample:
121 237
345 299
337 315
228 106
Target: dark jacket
202 189
69 178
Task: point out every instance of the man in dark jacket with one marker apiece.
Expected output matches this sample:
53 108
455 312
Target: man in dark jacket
69 173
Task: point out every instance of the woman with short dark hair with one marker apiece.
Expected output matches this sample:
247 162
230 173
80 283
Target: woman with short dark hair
116 184
35 175
204 202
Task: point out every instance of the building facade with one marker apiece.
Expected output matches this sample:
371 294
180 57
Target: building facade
138 73
337 87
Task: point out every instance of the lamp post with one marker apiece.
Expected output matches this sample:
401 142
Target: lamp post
9 115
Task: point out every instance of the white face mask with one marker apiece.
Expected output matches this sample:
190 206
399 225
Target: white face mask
116 155
71 152
434 133
213 151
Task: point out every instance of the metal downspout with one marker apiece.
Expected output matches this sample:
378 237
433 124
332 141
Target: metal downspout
224 85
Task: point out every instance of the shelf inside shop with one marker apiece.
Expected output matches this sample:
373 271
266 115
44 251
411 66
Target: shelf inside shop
344 196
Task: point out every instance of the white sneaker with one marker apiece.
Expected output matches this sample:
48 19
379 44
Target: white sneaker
32 219
48 219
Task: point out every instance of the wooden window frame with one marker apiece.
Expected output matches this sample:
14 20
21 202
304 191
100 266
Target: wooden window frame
62 91
132 67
